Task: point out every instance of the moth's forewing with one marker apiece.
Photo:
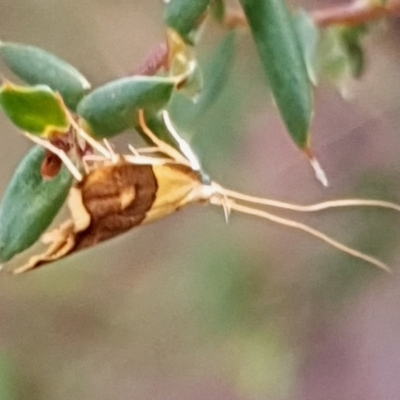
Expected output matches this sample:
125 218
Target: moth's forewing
113 199
176 183
117 198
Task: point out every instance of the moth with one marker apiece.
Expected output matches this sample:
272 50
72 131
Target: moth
115 193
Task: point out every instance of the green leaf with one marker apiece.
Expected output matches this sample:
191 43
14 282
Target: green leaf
216 73
183 66
36 66
30 204
36 109
114 107
309 37
218 9
280 52
341 54
351 38
332 58
184 16
193 86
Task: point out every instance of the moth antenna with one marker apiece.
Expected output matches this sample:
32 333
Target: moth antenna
313 207
94 143
144 160
114 156
143 150
60 153
162 146
149 150
225 202
305 228
183 145
133 150
92 158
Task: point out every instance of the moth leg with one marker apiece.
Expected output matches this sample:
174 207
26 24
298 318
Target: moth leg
133 150
162 146
224 200
61 241
92 161
87 138
138 158
183 145
114 156
147 150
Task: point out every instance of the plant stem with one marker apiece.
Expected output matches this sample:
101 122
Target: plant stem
354 13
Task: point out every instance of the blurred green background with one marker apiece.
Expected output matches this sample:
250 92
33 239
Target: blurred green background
191 307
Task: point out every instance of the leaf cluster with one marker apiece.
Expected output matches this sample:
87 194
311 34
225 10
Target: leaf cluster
292 49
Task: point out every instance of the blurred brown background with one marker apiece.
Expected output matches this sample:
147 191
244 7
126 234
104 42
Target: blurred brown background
193 308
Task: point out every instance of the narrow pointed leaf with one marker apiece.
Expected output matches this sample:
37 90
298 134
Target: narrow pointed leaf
309 39
332 57
184 16
114 107
280 52
183 65
341 54
351 40
30 204
36 66
37 109
193 86
216 72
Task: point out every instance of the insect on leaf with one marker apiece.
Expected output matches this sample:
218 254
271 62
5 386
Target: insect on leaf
30 204
124 192
116 198
36 109
113 108
281 55
36 66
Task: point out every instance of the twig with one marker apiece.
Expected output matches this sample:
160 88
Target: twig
156 59
354 13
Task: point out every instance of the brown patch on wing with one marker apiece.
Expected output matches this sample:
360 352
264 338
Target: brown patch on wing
113 199
109 201
117 198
